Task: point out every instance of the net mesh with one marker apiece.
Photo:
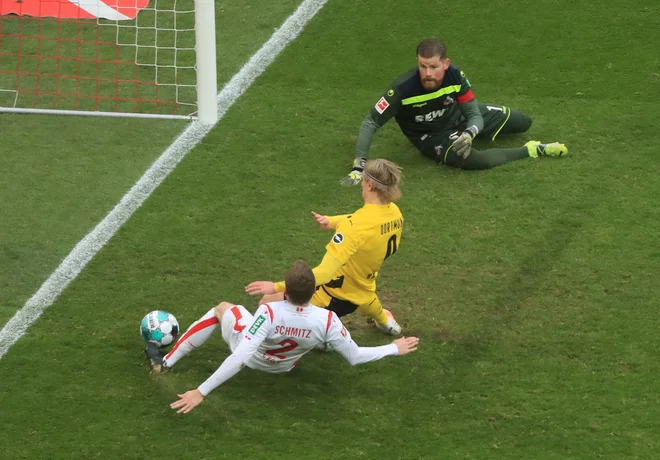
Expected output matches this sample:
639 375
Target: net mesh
114 57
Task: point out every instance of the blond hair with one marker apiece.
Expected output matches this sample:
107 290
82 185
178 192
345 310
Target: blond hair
385 176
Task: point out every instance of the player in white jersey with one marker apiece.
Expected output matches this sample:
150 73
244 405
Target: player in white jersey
274 338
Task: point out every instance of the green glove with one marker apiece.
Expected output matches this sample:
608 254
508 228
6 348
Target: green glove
462 144
355 176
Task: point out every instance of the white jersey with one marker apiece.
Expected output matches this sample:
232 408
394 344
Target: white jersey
284 333
278 334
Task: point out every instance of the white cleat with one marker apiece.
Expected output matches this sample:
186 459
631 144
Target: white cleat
392 327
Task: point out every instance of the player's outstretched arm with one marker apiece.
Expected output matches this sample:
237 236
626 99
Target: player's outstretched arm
386 107
260 288
323 273
354 176
323 221
340 340
406 345
187 401
367 130
355 354
256 334
193 398
328 222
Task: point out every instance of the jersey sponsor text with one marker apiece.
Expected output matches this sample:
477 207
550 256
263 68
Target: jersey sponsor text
430 116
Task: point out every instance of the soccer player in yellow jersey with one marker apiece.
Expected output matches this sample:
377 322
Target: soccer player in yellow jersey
346 277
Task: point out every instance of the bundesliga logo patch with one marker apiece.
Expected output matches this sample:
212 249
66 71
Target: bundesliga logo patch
382 105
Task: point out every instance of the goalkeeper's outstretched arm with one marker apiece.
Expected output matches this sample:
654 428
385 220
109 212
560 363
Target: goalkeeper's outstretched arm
365 136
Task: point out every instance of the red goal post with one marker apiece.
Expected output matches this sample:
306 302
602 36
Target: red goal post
134 58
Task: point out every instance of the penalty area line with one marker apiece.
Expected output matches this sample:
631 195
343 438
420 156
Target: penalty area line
92 243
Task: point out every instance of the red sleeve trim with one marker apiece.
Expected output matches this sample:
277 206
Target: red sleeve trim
467 97
270 312
327 326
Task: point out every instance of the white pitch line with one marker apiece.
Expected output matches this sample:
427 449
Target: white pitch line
92 243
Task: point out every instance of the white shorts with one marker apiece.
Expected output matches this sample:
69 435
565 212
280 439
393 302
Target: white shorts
234 322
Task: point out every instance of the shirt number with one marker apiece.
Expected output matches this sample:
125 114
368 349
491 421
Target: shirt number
287 346
391 246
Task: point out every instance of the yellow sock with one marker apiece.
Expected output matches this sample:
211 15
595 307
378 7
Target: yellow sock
374 310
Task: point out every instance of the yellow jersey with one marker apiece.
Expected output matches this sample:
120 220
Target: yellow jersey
362 241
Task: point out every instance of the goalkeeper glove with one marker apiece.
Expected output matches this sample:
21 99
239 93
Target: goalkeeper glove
355 176
463 141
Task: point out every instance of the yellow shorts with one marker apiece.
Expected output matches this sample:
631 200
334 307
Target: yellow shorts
322 298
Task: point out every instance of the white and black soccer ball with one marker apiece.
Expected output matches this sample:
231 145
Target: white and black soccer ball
159 327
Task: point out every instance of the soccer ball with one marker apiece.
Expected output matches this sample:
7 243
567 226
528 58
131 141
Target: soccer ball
159 327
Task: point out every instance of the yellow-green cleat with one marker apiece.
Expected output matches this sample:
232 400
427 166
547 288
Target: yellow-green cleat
554 149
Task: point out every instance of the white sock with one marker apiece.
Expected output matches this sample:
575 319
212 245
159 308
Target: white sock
195 336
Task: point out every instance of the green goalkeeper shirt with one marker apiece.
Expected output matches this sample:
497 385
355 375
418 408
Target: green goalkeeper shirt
419 111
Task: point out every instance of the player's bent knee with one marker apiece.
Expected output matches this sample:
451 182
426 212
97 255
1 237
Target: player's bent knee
518 122
221 308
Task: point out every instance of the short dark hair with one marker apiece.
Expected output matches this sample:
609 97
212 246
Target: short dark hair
300 283
431 47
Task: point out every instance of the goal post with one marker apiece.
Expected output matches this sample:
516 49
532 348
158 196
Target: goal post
118 58
207 82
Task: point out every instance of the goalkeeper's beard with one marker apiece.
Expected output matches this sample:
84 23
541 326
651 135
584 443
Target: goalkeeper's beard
430 83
